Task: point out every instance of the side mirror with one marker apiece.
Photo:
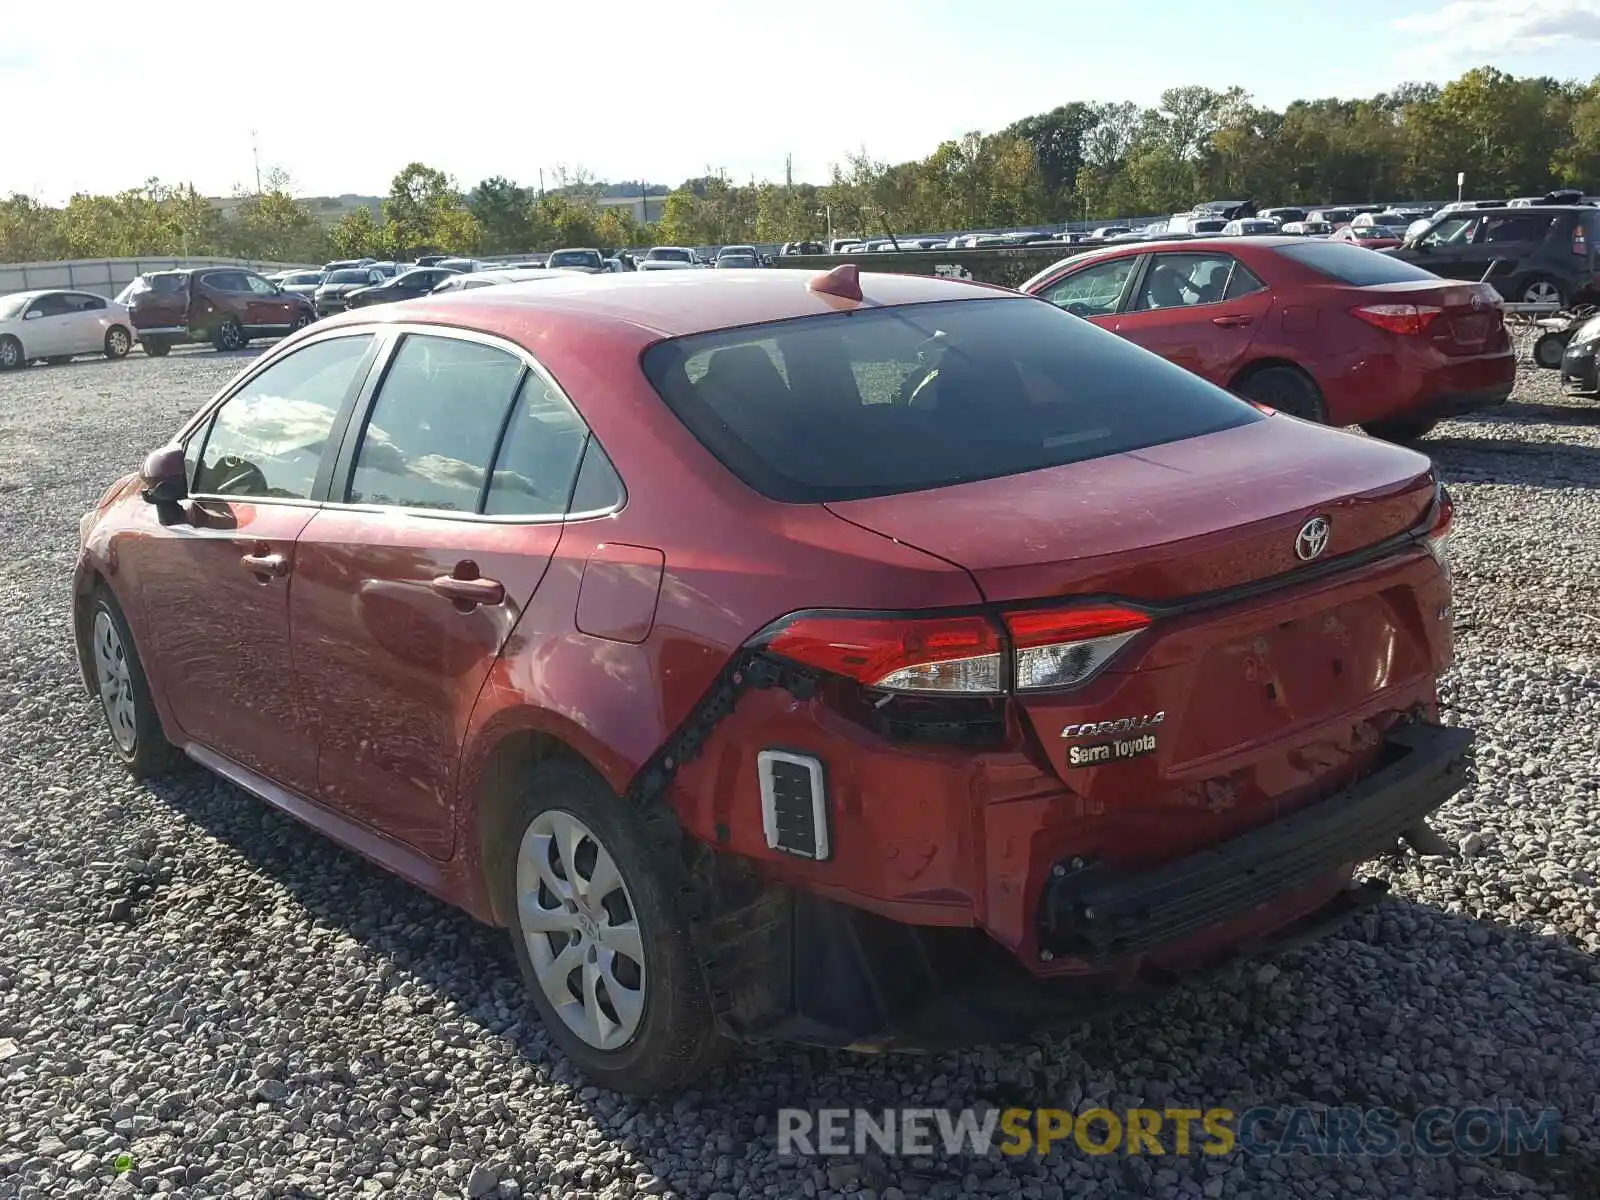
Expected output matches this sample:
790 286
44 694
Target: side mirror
164 476
33 314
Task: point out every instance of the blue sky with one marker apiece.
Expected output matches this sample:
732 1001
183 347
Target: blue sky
341 95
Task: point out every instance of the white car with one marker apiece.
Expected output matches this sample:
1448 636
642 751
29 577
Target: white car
55 325
479 279
668 258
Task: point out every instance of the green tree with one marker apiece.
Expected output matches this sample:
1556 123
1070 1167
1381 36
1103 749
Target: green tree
501 210
356 235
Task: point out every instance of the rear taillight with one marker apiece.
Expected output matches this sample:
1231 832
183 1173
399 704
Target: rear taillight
1057 648
1580 240
1039 649
1440 518
1411 320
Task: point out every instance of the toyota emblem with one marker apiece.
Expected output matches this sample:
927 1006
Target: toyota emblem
1312 539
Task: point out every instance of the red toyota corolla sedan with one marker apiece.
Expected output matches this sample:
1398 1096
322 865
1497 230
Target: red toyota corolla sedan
871 661
1325 330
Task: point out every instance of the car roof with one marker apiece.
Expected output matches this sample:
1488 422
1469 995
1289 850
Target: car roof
662 304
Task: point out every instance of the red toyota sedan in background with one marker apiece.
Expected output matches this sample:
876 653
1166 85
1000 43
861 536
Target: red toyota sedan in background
868 661
1325 330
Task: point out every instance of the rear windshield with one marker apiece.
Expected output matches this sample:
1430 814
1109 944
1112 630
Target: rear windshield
162 285
1352 264
877 401
360 276
574 258
669 255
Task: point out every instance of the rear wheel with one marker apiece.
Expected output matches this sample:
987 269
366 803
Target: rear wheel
229 335
1541 289
1400 430
118 342
1549 350
1286 389
11 354
600 935
125 702
155 347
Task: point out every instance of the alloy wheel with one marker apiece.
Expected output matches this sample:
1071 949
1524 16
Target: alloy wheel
10 356
1541 291
581 929
118 343
229 335
116 682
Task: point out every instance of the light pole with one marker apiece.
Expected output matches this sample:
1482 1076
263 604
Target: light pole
827 214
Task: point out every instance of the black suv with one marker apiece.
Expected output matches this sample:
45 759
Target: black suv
1546 252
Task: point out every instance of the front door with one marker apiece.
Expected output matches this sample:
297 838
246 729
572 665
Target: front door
1094 291
406 589
47 326
215 586
1200 311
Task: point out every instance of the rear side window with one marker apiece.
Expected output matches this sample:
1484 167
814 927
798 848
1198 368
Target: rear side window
434 425
878 401
161 285
534 470
1353 264
268 438
1532 227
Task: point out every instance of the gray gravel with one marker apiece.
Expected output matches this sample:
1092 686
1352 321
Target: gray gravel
204 994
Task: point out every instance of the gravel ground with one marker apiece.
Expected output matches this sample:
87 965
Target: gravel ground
206 996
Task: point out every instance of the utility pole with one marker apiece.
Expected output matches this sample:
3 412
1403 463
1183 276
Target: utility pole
541 183
255 153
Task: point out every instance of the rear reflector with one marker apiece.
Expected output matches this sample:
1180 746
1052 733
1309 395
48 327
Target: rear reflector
794 803
1411 320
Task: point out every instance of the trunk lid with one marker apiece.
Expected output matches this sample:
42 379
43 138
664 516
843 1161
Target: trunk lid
162 302
1165 522
1472 316
1224 715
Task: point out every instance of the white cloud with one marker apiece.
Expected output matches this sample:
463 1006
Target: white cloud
1464 32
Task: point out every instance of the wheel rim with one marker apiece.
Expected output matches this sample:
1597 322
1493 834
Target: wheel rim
301 321
116 682
230 336
1541 291
581 929
119 342
8 354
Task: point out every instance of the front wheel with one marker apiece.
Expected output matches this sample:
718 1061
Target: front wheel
1287 390
1549 350
124 690
118 342
229 335
301 320
10 354
600 937
1401 430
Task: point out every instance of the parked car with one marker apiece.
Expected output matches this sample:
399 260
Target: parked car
1308 228
299 283
462 281
1283 215
731 262
847 659
740 251
348 264
332 295
591 262
1580 364
418 281
1109 231
1251 227
226 306
1335 217
1396 221
57 325
1325 331
1373 237
668 258
1545 255
391 269
460 264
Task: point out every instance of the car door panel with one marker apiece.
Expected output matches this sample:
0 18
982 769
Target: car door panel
1209 337
49 333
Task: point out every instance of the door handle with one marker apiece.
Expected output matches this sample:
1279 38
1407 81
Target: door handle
274 565
470 592
1233 322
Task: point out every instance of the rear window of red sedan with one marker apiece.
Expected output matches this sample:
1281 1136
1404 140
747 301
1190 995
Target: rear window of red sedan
877 401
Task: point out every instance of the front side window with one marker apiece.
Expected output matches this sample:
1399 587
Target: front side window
1452 231
1093 291
879 401
1181 280
434 425
268 438
260 286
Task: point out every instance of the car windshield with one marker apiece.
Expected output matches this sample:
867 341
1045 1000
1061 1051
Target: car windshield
302 277
575 258
881 401
1352 264
1371 232
360 276
10 306
669 254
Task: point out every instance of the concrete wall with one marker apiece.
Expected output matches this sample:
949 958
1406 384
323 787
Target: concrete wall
1008 266
108 276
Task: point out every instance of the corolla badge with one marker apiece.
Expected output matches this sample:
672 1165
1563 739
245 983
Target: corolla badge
1120 725
1312 539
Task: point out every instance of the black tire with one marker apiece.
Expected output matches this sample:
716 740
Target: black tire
676 1040
1549 350
1287 389
1542 289
1401 431
149 753
229 335
118 342
155 347
11 357
301 320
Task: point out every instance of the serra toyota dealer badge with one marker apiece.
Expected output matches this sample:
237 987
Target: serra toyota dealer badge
1096 753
